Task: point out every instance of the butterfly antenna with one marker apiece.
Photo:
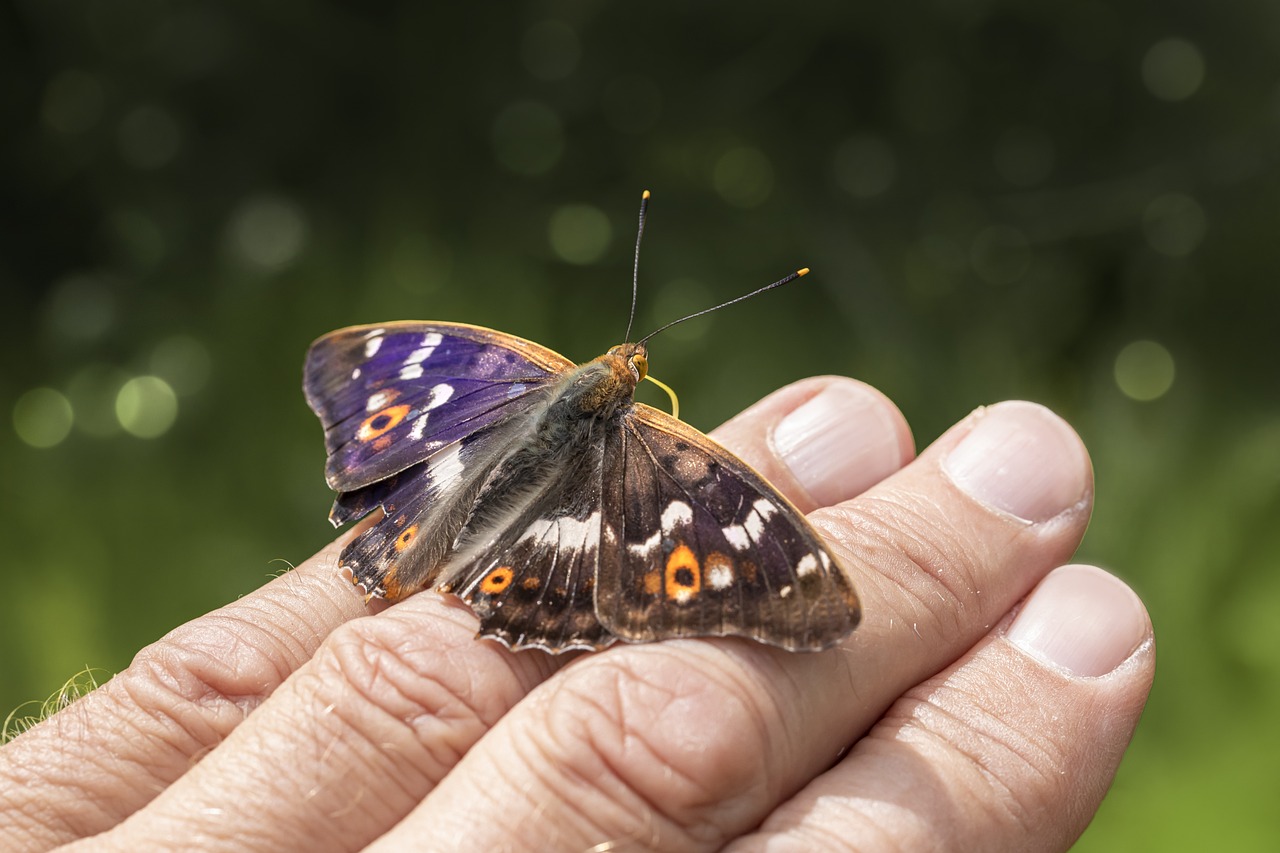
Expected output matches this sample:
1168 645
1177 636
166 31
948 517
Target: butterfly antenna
795 275
635 269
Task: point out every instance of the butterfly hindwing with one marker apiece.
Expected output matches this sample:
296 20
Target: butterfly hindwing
529 573
707 547
390 395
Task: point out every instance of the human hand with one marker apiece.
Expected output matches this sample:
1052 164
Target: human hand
958 715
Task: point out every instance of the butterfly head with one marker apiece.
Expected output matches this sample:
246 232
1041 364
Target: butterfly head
634 357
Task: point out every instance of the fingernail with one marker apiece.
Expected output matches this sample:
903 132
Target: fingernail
840 443
1021 459
1080 619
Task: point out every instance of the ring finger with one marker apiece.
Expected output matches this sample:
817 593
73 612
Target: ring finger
684 746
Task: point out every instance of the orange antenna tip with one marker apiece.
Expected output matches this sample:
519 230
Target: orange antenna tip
644 194
804 271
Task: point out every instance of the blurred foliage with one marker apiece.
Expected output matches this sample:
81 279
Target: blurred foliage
1075 203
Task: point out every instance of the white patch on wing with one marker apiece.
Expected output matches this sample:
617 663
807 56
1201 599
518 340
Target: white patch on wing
720 576
826 561
516 389
570 534
412 371
648 546
808 565
440 395
447 467
677 514
430 341
742 535
372 345
785 592
737 536
418 426
378 401
355 374
754 525
765 508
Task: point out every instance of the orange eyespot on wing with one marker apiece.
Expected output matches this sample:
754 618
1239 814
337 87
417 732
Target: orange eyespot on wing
381 422
683 575
497 580
406 537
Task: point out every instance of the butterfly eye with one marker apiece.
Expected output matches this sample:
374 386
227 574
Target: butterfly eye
641 366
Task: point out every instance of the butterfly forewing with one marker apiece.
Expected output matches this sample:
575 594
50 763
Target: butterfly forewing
426 507
390 395
708 548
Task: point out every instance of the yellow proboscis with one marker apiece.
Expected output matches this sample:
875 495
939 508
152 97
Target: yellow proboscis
675 401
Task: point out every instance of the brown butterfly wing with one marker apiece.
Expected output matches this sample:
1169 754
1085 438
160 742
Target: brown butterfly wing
700 544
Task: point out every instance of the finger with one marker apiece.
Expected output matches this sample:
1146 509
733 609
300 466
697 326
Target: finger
104 757
683 746
389 704
1013 748
821 440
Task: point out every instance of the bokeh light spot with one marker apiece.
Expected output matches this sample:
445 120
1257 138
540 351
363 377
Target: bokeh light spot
146 406
1000 254
579 233
267 232
743 176
864 165
550 50
148 138
1175 224
527 138
183 362
42 417
1144 371
73 102
1173 69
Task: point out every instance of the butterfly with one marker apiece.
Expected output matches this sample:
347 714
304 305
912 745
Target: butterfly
564 513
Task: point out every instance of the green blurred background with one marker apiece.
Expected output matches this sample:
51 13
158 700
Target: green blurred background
1075 203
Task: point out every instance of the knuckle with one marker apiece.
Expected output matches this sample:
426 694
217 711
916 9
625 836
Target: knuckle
916 547
205 677
688 750
387 678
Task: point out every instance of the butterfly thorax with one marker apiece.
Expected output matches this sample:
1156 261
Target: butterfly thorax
563 443
600 386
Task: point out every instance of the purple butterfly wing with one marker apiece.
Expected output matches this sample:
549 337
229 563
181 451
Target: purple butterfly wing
390 395
706 547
